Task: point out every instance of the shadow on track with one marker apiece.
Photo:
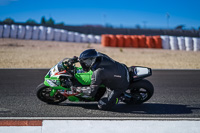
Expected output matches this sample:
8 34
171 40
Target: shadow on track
146 108
154 108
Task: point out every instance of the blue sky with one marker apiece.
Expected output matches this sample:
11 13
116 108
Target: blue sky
129 13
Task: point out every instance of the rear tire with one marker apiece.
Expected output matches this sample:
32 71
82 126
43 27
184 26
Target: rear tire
43 93
139 92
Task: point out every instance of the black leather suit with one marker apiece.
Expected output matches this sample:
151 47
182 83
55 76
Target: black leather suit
113 75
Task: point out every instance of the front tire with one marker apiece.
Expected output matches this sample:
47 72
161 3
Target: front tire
139 92
43 93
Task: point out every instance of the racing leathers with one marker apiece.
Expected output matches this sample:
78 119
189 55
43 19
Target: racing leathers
113 75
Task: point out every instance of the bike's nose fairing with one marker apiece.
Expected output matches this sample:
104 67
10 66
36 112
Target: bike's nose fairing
56 69
52 77
52 83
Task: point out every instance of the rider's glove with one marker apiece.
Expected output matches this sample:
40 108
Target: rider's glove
73 60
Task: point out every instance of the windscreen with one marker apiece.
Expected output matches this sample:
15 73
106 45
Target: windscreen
60 66
57 68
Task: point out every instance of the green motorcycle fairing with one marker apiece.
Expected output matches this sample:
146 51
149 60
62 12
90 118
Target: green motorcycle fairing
52 79
83 78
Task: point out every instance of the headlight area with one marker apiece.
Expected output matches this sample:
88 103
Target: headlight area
51 83
49 73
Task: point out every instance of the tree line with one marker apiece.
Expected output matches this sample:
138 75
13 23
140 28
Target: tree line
51 22
43 21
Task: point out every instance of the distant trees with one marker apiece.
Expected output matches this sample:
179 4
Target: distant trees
137 26
60 24
50 22
180 27
9 20
43 21
31 21
108 25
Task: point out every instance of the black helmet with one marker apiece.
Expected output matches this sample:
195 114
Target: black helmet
87 59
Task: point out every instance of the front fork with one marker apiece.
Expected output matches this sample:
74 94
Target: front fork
53 92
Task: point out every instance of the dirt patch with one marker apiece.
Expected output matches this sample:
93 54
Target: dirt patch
16 53
12 45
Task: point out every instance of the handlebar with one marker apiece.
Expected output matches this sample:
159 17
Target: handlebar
71 61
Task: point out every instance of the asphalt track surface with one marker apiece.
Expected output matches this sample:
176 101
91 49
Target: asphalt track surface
177 95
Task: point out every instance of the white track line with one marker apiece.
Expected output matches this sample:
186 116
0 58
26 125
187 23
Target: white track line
101 118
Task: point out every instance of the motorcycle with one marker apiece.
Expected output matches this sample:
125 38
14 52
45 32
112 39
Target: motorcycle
65 78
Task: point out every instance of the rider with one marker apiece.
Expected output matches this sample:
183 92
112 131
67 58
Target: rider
108 72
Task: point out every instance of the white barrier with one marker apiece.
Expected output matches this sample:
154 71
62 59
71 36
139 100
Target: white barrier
64 34
77 37
1 31
70 37
50 33
97 39
188 43
21 32
181 43
196 42
36 31
6 31
91 39
173 42
13 33
29 31
165 42
84 38
46 33
42 33
57 34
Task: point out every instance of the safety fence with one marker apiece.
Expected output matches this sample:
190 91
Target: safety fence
46 33
136 41
160 42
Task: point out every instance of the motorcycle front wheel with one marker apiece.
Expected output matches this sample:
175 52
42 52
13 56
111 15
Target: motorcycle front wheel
139 92
43 93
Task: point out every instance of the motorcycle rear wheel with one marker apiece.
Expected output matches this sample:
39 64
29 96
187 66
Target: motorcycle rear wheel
43 93
139 92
